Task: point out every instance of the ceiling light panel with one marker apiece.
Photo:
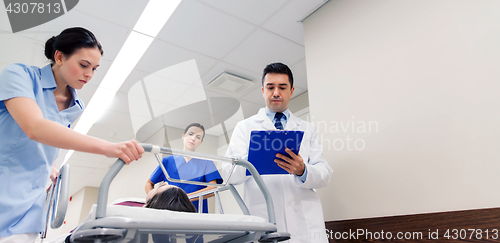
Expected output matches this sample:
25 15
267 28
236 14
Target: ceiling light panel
155 15
133 49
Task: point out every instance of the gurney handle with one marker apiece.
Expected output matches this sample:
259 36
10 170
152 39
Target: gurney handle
117 166
60 198
102 198
57 201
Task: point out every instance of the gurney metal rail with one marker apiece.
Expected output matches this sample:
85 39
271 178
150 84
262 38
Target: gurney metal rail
57 201
123 229
216 192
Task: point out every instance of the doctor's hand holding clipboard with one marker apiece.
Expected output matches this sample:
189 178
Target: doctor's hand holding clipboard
276 152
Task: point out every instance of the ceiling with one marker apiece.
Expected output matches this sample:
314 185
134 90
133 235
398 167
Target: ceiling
239 37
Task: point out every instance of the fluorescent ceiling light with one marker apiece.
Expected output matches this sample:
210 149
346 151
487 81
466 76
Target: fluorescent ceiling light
155 15
96 107
152 19
135 46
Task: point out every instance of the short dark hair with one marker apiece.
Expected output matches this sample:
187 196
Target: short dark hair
173 198
278 67
71 40
195 125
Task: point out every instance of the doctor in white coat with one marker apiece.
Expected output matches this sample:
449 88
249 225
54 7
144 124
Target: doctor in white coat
297 206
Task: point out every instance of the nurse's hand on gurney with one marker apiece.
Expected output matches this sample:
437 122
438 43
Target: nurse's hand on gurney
30 118
127 151
54 174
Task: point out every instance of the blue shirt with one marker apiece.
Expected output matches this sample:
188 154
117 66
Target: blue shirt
283 120
193 170
25 164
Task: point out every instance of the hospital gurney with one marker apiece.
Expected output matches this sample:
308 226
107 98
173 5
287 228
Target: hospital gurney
113 223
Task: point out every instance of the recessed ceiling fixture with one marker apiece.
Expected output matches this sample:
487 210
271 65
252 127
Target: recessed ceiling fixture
230 84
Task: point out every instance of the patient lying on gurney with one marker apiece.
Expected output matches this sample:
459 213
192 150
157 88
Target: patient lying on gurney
169 197
172 198
166 197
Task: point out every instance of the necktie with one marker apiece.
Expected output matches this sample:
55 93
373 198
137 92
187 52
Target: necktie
278 124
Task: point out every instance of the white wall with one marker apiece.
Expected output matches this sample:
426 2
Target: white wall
425 73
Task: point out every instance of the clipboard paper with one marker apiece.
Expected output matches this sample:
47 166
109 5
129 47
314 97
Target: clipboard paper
264 145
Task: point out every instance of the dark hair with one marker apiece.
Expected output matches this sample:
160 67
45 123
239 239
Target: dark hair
278 67
195 125
173 198
69 41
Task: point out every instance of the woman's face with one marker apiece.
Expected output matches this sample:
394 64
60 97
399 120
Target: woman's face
157 190
77 69
192 138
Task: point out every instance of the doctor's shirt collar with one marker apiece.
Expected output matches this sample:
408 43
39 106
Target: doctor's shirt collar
271 113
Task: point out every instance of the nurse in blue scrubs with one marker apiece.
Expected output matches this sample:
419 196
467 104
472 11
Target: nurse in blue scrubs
186 168
37 107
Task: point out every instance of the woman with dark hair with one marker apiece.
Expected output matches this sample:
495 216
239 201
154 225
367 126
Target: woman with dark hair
169 197
186 168
37 107
172 198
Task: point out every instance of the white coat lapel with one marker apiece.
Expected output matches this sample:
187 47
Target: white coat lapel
293 123
267 124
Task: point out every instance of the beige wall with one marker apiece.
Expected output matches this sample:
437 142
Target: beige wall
418 82
299 102
90 198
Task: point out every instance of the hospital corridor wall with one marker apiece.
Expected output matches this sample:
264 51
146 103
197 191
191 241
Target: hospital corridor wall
405 97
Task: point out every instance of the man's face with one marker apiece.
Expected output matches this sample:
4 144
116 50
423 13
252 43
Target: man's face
277 91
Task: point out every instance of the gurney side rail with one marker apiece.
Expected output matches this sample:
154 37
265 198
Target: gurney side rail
216 191
117 166
57 201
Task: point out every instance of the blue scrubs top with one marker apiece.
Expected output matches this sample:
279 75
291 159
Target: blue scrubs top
194 170
25 164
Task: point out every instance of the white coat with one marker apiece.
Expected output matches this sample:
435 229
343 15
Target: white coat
297 206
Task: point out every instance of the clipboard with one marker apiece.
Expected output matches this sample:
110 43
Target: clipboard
264 145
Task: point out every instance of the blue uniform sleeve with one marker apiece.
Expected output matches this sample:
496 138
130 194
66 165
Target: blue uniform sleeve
158 175
16 80
212 173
